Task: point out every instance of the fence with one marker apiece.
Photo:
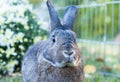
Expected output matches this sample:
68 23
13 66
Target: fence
98 30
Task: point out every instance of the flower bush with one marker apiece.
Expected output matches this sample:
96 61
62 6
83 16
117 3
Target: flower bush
18 30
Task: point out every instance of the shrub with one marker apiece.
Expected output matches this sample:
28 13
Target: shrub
18 30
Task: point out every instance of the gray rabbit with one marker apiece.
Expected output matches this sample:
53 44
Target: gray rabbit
57 59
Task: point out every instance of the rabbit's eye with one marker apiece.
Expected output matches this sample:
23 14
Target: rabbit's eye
53 38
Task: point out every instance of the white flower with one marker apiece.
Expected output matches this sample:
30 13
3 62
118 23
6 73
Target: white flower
1 50
12 12
3 40
21 47
25 40
6 39
26 27
1 31
14 53
19 36
11 65
8 33
9 52
2 19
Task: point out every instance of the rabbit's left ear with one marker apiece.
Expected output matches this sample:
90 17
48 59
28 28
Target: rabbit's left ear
69 16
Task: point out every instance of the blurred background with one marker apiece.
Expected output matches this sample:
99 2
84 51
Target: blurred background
97 25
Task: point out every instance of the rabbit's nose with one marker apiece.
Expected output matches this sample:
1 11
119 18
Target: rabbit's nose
68 53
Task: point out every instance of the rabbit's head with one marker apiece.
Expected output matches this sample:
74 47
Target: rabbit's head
62 50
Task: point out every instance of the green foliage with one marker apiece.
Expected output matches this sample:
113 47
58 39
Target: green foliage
93 78
35 2
11 79
18 30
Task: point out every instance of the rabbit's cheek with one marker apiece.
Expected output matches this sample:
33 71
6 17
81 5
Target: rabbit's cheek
60 58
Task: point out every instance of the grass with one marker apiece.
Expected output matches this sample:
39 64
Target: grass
109 53
91 78
11 79
101 78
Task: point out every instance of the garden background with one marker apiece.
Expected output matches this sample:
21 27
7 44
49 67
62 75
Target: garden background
23 23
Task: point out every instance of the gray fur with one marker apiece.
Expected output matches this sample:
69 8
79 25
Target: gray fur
70 14
55 21
57 59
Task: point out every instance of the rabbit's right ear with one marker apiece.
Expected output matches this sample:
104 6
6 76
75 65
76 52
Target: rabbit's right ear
69 17
54 19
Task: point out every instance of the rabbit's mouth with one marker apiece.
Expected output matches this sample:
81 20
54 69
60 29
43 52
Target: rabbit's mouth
70 64
66 64
73 63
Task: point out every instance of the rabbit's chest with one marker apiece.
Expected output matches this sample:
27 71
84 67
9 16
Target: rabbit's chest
60 75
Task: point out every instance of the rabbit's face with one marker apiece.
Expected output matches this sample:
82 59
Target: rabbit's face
63 50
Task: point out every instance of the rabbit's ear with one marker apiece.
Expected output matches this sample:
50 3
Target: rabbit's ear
55 21
69 16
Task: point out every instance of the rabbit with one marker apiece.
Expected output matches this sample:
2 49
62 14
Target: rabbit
58 58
